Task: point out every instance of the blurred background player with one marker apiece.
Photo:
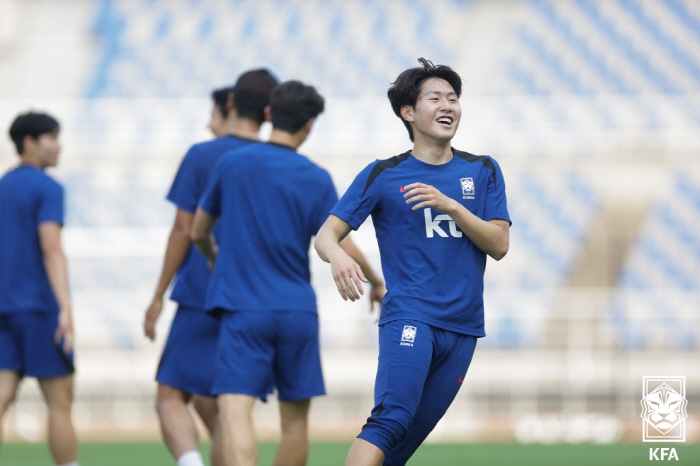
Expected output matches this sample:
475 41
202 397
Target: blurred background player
36 319
269 202
433 311
187 364
219 112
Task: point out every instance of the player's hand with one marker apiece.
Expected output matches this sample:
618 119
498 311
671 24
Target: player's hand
151 317
64 332
376 295
348 275
428 196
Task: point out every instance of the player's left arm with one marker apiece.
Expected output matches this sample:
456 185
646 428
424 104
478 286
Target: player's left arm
491 236
57 272
202 236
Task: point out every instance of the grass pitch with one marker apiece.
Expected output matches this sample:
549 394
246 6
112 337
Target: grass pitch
331 454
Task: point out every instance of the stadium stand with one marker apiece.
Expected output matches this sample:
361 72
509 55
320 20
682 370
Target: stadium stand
655 303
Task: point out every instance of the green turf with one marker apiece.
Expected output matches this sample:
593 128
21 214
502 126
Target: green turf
329 454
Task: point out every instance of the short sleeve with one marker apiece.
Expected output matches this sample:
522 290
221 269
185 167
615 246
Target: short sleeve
359 200
184 192
211 199
496 204
51 203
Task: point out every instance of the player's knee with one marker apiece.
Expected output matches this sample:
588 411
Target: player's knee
60 403
387 429
165 405
6 399
169 398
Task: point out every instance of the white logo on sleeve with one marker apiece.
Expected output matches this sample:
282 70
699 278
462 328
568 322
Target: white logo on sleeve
408 336
467 188
432 225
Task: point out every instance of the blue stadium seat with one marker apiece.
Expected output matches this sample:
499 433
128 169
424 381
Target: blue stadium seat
659 286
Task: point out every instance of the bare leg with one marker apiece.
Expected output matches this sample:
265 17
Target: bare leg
363 453
176 423
217 450
206 408
9 381
293 449
58 393
236 430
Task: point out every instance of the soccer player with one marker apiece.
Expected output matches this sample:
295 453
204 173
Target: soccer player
187 365
269 202
438 212
36 319
219 111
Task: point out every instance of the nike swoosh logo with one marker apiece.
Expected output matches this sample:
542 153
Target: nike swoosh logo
402 190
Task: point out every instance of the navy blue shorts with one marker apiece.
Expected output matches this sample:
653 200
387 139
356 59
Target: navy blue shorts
259 349
188 358
421 369
27 346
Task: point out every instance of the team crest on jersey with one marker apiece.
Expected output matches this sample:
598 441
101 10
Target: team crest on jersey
467 188
408 336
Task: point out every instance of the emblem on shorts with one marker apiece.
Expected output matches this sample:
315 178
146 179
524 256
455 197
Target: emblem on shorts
664 409
467 188
408 336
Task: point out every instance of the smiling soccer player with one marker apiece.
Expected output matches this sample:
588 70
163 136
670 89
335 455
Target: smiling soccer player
438 212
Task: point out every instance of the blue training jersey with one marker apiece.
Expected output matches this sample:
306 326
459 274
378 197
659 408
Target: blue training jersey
28 197
190 181
270 201
434 273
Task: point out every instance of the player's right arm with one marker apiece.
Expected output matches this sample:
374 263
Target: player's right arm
57 272
347 273
175 252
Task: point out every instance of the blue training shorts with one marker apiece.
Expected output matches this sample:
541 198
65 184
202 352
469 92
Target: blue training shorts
421 369
260 348
27 345
189 354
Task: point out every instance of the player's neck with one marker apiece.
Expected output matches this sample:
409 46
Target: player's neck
27 160
277 136
243 128
434 154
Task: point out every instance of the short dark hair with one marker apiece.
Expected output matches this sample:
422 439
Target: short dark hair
406 89
251 94
220 98
292 104
32 124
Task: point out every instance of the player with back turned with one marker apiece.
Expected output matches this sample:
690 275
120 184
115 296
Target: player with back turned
187 365
438 213
219 123
36 318
269 202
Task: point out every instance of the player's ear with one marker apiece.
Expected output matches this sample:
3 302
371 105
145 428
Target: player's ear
407 112
230 106
28 144
268 114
